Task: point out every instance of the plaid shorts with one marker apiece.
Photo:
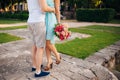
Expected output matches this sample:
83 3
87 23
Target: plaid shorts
38 33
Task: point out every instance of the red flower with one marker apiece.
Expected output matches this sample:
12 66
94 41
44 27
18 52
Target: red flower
59 28
61 31
61 37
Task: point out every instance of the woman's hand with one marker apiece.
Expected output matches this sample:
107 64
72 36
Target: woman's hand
53 10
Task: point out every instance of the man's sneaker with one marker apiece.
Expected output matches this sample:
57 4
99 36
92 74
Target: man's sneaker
34 69
42 74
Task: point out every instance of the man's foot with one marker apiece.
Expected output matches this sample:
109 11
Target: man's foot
34 69
42 74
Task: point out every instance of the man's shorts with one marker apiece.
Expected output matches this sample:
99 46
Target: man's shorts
38 33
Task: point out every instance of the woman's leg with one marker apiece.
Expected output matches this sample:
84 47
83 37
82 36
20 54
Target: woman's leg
53 49
49 59
48 54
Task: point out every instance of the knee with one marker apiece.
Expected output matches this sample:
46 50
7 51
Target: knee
47 46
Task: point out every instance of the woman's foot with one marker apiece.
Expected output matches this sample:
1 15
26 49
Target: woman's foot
58 61
48 67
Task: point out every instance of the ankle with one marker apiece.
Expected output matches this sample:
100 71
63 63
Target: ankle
38 72
50 62
38 69
33 67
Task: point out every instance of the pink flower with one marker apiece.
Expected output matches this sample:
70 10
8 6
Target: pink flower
59 28
62 32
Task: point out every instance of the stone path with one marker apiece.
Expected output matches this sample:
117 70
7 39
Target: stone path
11 25
15 62
72 23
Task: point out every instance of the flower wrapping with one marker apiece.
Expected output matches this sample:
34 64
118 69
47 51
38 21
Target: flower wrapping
61 31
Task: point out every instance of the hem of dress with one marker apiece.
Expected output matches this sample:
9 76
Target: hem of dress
51 41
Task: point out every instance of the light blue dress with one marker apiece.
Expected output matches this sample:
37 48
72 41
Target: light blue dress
50 20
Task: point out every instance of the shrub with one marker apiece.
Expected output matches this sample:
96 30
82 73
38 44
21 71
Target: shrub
15 15
95 15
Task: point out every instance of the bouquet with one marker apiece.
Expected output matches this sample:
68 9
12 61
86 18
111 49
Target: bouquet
61 31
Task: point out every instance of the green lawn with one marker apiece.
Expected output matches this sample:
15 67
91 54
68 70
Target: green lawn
102 36
4 37
12 28
10 21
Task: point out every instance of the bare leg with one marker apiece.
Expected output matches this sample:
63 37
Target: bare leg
39 56
53 49
49 59
34 49
48 54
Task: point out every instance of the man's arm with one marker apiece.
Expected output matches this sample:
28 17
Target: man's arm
45 7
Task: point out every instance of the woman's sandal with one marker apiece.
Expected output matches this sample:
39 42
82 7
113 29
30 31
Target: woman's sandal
47 68
58 61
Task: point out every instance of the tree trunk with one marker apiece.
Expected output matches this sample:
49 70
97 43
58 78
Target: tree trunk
13 8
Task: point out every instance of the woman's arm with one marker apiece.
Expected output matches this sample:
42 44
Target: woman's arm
57 10
45 7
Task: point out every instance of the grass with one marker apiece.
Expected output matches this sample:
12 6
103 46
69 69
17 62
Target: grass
12 28
10 21
4 37
102 36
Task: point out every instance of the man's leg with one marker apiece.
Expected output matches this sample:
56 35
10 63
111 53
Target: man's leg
39 56
39 38
34 50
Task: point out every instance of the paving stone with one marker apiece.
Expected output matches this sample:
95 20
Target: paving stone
76 61
114 47
117 43
1 77
95 59
67 73
78 77
88 73
63 66
85 64
60 76
102 73
16 76
84 72
108 51
103 55
2 49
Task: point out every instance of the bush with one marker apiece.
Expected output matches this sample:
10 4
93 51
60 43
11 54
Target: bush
15 15
117 16
95 15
